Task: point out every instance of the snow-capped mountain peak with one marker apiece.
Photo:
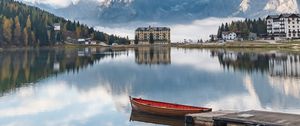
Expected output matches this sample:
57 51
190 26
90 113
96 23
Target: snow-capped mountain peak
282 6
244 6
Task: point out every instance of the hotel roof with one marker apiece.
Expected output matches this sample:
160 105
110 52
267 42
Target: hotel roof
153 28
282 16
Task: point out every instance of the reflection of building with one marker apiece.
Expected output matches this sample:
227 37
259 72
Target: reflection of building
276 64
160 35
243 61
285 65
153 55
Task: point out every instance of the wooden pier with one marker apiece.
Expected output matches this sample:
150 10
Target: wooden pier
204 119
247 118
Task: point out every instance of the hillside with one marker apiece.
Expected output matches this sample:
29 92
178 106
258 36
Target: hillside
23 25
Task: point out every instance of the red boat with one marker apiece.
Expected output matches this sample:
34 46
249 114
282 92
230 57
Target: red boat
163 108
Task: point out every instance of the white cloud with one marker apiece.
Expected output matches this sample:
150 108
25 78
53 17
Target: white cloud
65 3
57 97
53 3
196 30
198 59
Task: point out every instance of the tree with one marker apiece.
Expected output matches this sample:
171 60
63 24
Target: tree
25 37
17 31
226 27
7 30
151 38
78 32
33 40
136 40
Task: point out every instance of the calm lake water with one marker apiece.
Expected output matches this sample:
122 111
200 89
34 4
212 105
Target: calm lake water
90 86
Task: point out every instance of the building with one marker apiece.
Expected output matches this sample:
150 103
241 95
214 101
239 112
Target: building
56 27
229 35
159 35
252 36
283 26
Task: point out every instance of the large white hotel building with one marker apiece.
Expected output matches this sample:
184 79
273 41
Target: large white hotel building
284 26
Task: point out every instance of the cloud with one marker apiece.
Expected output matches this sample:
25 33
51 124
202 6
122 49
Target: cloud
70 104
53 3
198 29
65 3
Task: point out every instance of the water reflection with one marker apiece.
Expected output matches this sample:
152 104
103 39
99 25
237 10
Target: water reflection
154 119
275 63
24 67
153 55
90 86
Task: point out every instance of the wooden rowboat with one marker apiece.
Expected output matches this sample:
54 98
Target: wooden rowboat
163 108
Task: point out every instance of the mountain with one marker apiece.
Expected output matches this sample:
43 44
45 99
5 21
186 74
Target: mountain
120 11
252 8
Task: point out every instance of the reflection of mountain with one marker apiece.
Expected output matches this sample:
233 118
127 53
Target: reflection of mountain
153 55
288 86
22 67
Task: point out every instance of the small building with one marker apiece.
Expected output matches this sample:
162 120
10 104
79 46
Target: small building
114 44
81 41
56 27
93 43
229 35
252 36
160 35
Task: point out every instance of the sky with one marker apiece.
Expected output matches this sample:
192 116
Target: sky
198 29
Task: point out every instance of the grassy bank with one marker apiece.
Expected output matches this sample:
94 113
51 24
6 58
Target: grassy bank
244 44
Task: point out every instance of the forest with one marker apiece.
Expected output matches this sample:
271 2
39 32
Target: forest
27 26
243 28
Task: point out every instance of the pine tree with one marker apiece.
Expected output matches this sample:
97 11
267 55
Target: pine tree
136 40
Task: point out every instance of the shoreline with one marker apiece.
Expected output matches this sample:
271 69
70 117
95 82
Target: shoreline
292 46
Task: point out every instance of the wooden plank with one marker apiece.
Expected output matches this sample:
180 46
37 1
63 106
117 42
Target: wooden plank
259 118
204 119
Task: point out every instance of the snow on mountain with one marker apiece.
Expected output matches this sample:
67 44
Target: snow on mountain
282 6
244 6
120 11
262 8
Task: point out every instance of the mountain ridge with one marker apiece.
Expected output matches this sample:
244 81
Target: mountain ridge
119 11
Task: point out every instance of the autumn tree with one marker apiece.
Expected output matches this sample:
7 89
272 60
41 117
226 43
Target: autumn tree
7 29
25 37
17 31
78 31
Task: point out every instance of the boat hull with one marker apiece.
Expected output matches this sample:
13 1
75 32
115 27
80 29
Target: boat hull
165 111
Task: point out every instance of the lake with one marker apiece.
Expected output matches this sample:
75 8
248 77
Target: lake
91 86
